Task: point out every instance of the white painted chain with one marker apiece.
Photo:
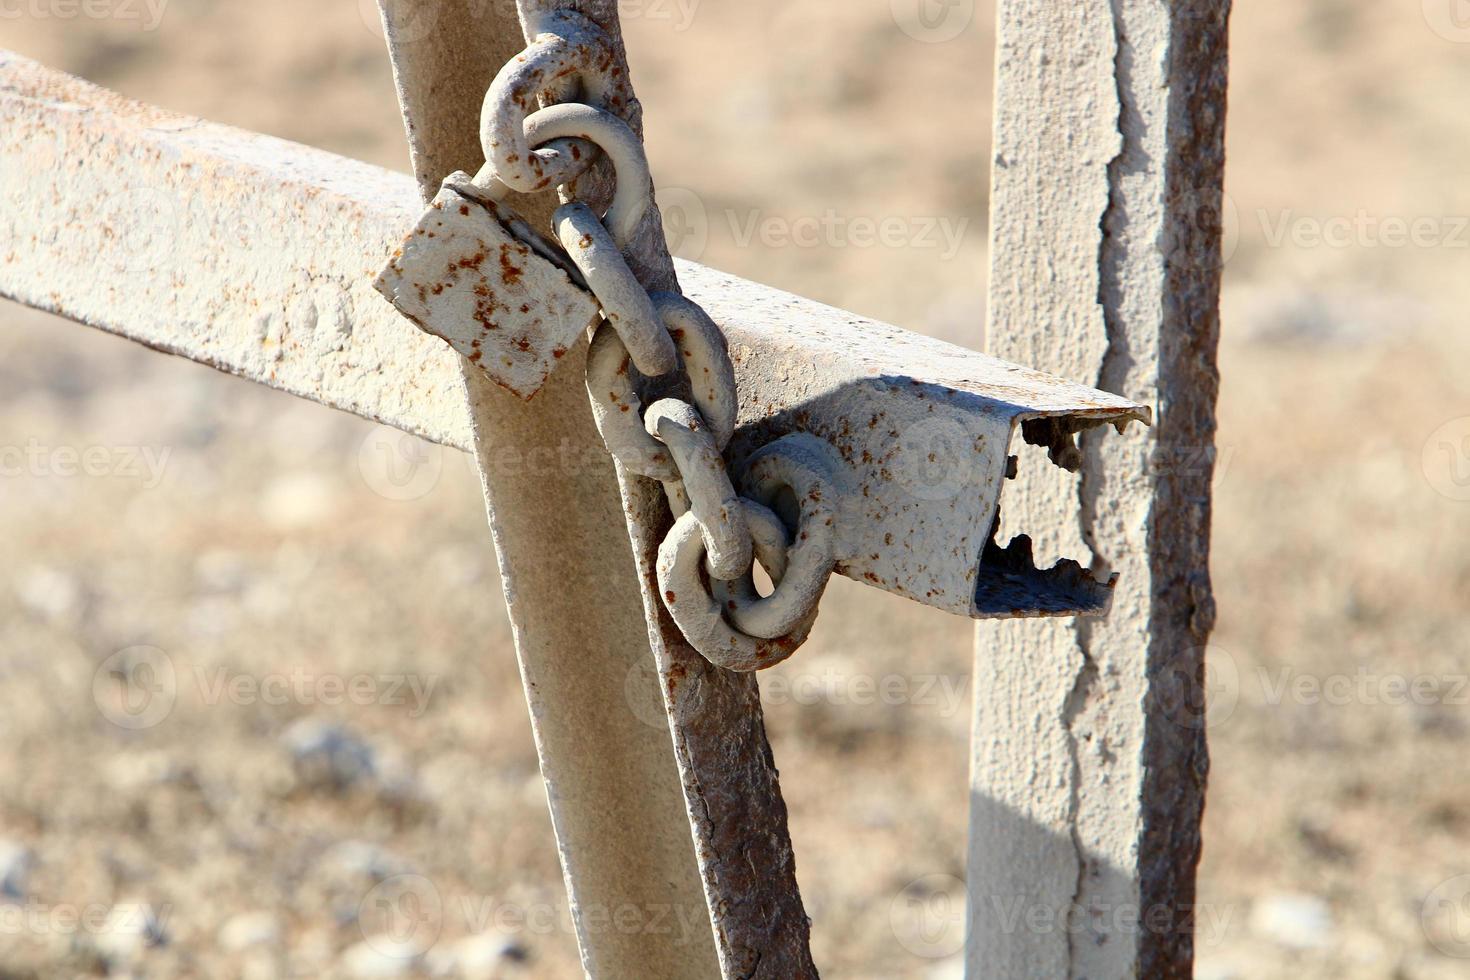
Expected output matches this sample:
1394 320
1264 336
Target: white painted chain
705 564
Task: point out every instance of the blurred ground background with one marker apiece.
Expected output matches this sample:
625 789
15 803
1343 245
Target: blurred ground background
240 534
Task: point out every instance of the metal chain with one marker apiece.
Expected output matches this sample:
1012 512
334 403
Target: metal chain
705 564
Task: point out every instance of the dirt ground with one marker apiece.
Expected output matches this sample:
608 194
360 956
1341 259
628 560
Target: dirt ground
251 551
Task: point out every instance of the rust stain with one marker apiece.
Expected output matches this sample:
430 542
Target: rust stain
510 273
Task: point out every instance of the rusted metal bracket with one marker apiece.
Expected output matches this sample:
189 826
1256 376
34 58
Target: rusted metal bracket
926 429
478 277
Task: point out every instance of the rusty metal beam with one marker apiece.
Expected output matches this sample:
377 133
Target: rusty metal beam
255 255
241 251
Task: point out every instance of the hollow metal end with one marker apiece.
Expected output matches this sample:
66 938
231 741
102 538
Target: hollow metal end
1008 585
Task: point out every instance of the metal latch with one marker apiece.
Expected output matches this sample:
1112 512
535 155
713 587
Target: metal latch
479 277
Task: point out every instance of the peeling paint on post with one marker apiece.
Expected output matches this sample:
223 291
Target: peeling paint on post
1108 164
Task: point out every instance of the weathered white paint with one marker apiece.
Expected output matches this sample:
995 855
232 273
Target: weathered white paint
571 587
300 323
273 292
245 252
1087 779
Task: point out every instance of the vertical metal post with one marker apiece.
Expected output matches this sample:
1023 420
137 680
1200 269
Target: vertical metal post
1089 759
571 584
614 785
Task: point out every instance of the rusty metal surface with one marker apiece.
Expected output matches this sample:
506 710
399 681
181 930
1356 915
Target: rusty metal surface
248 253
927 430
463 275
280 292
287 301
731 787
614 791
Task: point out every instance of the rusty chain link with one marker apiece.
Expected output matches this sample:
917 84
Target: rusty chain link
550 114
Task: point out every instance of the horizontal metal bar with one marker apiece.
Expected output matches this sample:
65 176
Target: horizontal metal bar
257 256
244 252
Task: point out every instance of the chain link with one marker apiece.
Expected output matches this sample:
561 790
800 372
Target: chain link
706 563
